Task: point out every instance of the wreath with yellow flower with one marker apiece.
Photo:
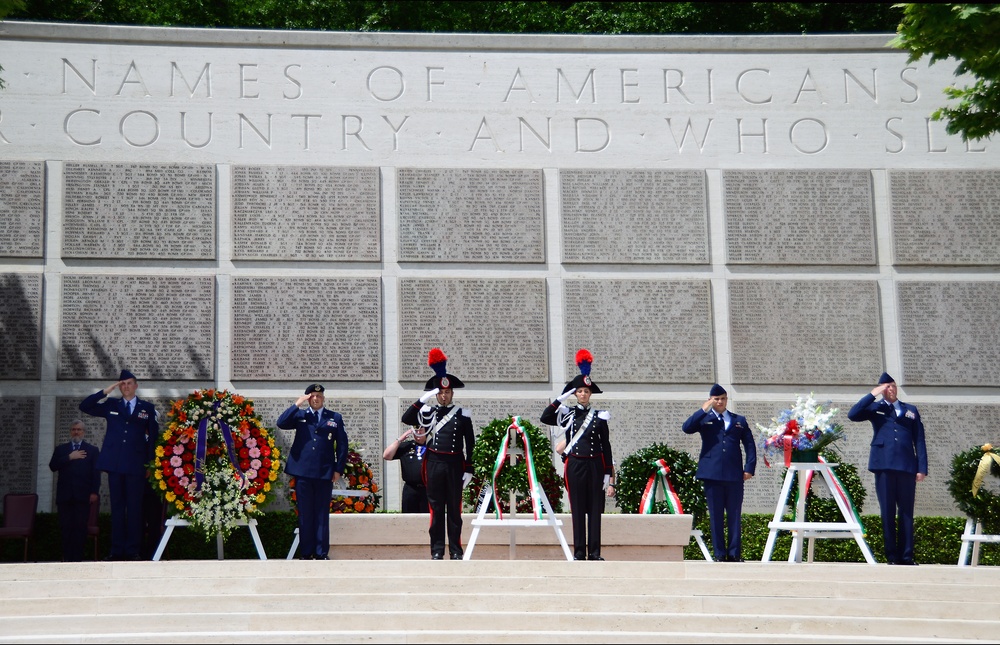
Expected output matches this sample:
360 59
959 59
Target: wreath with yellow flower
968 470
215 464
358 476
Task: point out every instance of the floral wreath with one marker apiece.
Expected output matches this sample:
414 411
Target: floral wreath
635 471
484 454
215 464
968 469
358 475
806 426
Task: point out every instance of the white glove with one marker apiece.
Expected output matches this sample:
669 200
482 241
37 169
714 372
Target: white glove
607 480
556 432
466 478
565 395
427 395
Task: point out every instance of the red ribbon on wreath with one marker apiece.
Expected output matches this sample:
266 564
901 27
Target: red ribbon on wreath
791 430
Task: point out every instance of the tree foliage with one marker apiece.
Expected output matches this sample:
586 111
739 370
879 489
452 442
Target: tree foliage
970 35
462 16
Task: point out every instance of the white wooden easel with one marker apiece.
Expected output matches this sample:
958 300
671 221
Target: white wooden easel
801 529
512 521
174 522
973 535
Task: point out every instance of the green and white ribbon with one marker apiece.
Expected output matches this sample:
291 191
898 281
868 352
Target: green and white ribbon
657 481
501 459
840 491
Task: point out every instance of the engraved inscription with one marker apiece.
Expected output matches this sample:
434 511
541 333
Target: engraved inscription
306 213
641 331
634 216
306 328
491 330
159 327
948 333
470 215
799 217
22 208
19 425
945 216
20 325
131 211
805 331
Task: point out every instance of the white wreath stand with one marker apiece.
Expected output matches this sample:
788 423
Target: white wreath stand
174 522
973 535
801 529
512 521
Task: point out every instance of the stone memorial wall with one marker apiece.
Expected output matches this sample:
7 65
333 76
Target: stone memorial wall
776 214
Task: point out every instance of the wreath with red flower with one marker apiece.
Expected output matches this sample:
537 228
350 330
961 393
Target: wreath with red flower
215 464
358 476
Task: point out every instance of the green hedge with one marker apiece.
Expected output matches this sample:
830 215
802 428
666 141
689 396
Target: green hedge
938 541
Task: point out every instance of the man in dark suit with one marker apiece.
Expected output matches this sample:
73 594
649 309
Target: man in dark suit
585 446
448 460
79 484
132 428
722 470
898 459
316 460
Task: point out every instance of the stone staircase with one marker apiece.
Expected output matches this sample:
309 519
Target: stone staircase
496 601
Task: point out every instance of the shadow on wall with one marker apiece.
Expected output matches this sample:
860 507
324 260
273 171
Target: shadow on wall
110 361
20 328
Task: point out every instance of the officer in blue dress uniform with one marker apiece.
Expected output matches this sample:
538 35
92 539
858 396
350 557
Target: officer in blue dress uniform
722 469
79 485
448 460
316 460
898 459
410 450
128 445
586 451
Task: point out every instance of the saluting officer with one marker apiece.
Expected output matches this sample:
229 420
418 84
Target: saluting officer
128 445
448 462
587 457
898 459
316 461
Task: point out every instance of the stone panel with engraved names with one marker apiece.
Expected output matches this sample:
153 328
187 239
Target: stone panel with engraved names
20 325
805 331
19 425
470 215
288 329
22 204
634 216
306 213
160 327
799 217
139 211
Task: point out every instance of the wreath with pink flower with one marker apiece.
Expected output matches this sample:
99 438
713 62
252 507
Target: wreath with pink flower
215 464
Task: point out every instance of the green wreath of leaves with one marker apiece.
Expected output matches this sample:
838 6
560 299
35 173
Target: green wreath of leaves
484 457
634 473
825 509
985 507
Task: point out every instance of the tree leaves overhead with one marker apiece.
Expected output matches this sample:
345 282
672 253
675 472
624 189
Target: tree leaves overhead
462 16
969 34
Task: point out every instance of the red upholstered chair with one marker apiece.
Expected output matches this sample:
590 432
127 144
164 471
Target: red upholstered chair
19 518
93 526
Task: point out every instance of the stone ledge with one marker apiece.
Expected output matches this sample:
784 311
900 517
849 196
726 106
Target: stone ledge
395 536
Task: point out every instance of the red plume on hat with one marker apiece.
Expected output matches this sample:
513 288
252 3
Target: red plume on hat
438 361
584 359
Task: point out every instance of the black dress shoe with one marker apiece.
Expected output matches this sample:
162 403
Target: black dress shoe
908 562
437 556
456 556
321 557
576 557
595 557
